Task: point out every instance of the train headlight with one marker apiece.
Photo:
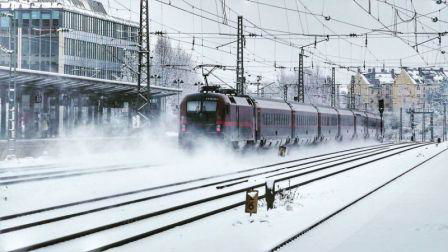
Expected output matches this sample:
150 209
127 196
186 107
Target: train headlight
218 128
183 128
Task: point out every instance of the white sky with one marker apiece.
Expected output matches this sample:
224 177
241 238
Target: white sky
383 48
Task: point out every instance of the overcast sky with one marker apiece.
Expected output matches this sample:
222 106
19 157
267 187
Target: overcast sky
292 16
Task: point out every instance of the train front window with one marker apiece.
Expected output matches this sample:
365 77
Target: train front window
202 113
193 106
208 106
201 106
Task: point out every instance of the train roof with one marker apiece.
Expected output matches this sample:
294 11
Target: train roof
345 112
202 95
327 110
303 107
271 104
241 101
373 115
357 112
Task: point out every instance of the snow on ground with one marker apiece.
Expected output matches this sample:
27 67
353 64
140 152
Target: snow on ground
409 215
166 163
236 231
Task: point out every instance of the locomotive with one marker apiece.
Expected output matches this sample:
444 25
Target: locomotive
244 120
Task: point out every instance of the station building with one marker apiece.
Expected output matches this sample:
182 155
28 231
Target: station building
75 64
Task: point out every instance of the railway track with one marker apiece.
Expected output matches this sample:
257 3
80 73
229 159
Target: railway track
350 204
224 191
309 160
65 173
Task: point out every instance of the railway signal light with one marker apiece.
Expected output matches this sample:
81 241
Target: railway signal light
381 109
251 202
381 106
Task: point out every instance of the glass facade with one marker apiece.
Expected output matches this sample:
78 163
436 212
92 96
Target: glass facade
40 39
100 27
91 46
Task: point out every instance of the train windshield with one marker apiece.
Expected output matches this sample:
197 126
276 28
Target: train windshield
202 113
201 106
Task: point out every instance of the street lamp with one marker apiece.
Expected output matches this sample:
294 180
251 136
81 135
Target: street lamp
178 82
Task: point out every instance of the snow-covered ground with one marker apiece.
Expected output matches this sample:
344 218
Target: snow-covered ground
229 231
236 231
166 164
411 214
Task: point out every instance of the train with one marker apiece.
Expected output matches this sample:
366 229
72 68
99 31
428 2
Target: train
241 121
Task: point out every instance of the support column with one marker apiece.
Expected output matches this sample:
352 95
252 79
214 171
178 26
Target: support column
129 115
19 112
79 112
56 122
100 110
45 115
32 128
3 120
90 113
95 112
109 113
65 113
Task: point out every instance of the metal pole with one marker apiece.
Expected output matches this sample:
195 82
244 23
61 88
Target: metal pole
178 94
144 66
352 93
412 124
240 58
381 127
424 123
12 120
401 125
431 122
301 84
444 122
333 87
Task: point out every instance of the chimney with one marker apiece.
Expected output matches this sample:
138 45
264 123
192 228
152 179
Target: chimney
392 72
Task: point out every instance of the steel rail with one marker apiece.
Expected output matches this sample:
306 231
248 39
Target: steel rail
59 218
220 210
69 174
333 214
68 171
192 181
176 208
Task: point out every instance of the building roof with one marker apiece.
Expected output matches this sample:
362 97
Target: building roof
382 77
428 76
88 7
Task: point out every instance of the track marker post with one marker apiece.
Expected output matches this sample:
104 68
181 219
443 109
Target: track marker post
251 202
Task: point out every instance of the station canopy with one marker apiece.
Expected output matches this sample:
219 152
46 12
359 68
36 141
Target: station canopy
64 82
